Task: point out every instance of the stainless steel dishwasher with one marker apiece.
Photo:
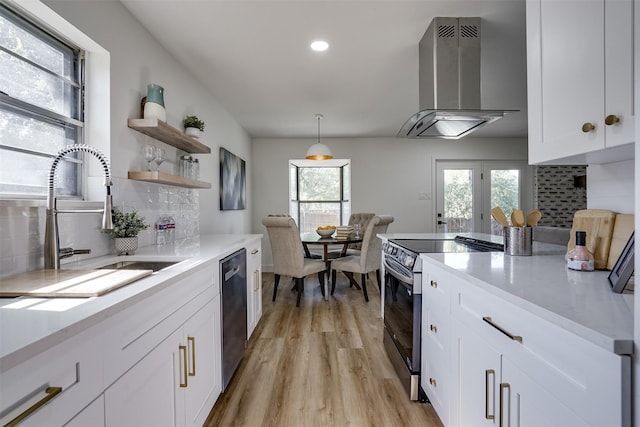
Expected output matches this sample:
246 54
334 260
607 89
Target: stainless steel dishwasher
233 277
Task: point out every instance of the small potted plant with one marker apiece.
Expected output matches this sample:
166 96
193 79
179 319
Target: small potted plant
126 227
193 126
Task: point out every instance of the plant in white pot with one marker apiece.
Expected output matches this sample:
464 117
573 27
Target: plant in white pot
126 226
193 126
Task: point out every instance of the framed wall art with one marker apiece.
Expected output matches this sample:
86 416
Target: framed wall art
232 181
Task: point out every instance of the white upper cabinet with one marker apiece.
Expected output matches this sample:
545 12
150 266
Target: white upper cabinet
580 81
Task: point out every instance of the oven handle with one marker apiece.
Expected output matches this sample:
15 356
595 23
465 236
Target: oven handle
391 269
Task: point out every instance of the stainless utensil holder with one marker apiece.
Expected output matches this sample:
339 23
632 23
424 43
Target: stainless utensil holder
518 241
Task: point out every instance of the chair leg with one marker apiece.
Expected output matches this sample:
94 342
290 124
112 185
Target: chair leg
364 287
379 281
300 286
333 281
321 279
275 286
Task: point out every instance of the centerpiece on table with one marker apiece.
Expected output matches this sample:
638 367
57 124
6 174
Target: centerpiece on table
193 126
126 226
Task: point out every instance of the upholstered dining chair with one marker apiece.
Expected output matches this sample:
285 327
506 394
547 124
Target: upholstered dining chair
370 255
288 254
363 219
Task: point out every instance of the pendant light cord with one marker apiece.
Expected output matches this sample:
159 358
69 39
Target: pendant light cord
319 117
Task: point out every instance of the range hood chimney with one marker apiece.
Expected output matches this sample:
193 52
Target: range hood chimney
449 82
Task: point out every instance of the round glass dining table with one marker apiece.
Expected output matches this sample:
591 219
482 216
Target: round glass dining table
314 238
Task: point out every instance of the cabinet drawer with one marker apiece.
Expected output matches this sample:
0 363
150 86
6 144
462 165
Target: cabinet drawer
585 377
435 379
57 383
134 332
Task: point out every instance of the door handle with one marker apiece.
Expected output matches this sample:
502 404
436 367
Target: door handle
192 344
183 351
503 387
488 372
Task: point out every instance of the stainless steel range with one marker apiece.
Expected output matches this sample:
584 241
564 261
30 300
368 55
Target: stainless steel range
403 299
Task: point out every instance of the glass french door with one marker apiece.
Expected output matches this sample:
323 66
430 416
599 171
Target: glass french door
467 190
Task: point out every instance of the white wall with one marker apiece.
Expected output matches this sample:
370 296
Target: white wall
388 174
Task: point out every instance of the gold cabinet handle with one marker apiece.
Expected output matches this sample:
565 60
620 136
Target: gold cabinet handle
487 389
255 251
432 381
504 331
183 350
434 284
611 119
51 393
192 344
503 387
433 328
588 127
256 280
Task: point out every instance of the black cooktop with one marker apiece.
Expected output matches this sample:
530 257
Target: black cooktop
458 245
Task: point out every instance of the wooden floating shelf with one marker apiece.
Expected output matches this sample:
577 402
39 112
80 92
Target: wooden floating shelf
165 178
168 134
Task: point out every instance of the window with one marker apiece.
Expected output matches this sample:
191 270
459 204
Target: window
41 108
319 192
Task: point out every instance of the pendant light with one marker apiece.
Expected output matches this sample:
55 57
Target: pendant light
319 151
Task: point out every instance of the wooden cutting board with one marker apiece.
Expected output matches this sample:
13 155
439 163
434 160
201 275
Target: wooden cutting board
68 283
621 232
598 224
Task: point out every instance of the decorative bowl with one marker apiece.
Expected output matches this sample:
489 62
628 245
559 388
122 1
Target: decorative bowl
326 232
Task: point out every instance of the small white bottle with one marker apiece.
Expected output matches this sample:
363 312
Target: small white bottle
579 258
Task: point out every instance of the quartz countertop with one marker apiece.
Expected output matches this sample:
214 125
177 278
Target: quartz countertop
579 302
29 326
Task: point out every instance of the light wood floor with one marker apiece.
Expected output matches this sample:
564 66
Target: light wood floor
322 364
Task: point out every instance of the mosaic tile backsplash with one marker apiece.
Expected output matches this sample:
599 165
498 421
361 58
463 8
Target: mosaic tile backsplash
22 225
556 196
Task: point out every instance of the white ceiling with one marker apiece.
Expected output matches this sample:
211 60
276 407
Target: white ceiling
254 56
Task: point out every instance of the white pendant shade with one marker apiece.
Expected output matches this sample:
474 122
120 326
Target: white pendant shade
319 151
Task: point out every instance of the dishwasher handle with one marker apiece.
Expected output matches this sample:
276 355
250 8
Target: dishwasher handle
232 272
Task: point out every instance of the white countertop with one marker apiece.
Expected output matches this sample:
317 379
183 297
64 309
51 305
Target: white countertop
29 326
580 302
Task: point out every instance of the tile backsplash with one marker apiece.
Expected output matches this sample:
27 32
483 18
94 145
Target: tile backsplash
556 196
22 223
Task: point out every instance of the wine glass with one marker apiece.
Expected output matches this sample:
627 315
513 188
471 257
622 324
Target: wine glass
149 155
159 157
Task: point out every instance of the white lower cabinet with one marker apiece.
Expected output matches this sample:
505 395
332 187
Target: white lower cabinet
488 362
177 383
92 415
254 285
54 386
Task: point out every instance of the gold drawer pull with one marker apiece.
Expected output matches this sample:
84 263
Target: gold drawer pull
256 281
588 127
192 342
434 284
255 251
510 335
488 372
611 119
433 328
51 393
183 350
503 387
432 381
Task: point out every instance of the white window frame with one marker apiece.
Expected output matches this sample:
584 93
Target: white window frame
345 199
97 98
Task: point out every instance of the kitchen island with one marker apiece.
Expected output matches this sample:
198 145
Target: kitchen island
87 350
523 340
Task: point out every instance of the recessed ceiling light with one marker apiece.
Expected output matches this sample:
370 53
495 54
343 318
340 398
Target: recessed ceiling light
319 45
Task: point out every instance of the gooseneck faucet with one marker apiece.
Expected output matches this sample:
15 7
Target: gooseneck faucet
52 251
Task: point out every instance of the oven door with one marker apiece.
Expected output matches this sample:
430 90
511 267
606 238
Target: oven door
402 318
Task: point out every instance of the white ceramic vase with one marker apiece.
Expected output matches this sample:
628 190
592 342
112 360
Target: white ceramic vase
126 245
192 132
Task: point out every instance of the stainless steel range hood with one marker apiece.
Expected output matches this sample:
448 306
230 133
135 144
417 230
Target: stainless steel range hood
449 82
